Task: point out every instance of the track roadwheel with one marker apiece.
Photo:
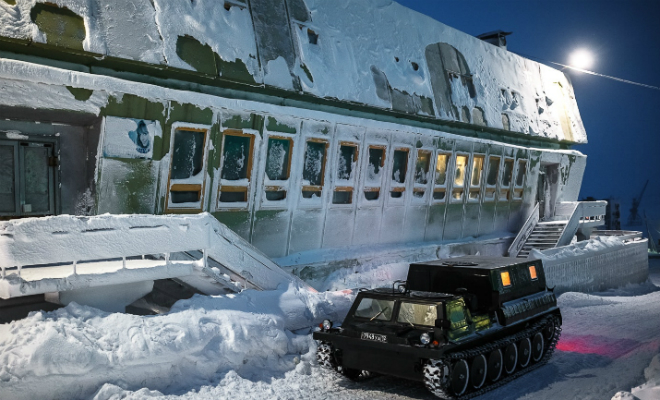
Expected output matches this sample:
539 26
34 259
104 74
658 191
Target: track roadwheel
350 373
538 347
524 352
459 378
510 358
478 369
435 374
495 365
549 330
325 357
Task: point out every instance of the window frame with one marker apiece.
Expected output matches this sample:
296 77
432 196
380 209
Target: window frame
475 190
455 188
282 185
314 188
188 187
442 188
398 187
518 190
346 185
492 189
369 187
423 188
227 185
505 190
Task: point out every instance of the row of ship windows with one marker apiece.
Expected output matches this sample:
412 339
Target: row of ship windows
186 185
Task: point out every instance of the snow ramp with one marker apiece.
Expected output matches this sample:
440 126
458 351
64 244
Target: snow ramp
68 254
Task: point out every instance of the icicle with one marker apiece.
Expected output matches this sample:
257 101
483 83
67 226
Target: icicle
123 262
75 267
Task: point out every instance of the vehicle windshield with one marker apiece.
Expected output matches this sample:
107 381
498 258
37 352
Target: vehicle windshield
375 309
418 314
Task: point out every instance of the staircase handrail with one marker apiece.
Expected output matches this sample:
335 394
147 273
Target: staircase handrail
572 224
524 232
66 239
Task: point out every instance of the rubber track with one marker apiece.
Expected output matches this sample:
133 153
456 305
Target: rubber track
487 348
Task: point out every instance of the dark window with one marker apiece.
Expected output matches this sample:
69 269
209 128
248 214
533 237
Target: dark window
493 170
400 166
236 157
188 155
275 195
522 170
342 197
185 197
376 162
372 195
314 163
508 172
230 196
278 159
346 162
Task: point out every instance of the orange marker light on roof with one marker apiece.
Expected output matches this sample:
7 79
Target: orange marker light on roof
506 279
532 272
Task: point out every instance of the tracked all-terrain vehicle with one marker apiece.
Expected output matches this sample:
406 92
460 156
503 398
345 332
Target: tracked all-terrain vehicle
463 326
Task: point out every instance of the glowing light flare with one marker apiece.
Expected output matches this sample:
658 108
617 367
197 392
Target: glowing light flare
581 59
600 345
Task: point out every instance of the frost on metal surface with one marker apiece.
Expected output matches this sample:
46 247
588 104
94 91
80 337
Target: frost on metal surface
373 52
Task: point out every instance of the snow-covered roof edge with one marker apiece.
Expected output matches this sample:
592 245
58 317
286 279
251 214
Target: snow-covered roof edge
374 52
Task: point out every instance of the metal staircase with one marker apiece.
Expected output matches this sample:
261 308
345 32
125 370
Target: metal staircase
570 218
545 235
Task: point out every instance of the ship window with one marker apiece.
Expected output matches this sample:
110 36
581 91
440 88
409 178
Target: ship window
342 196
459 177
461 164
532 272
506 179
187 175
493 170
275 194
314 164
439 192
417 314
400 165
422 167
441 169
278 159
375 309
376 162
236 167
491 178
188 155
475 180
506 279
236 156
314 168
520 179
520 175
348 155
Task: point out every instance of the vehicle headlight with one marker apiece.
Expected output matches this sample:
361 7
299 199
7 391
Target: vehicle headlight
327 324
425 338
402 288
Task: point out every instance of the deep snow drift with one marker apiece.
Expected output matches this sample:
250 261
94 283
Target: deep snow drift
239 347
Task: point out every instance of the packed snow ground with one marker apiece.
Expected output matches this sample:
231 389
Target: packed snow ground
239 347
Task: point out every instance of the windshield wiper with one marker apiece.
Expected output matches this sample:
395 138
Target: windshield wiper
377 315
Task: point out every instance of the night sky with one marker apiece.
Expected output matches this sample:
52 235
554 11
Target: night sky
622 121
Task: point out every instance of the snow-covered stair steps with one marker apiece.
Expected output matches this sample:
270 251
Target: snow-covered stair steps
545 235
118 254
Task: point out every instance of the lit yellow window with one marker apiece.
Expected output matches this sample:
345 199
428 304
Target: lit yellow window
506 279
532 272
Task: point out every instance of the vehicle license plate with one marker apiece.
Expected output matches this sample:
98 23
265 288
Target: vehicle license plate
374 336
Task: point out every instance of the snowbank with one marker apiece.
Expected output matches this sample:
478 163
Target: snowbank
600 263
72 352
649 390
